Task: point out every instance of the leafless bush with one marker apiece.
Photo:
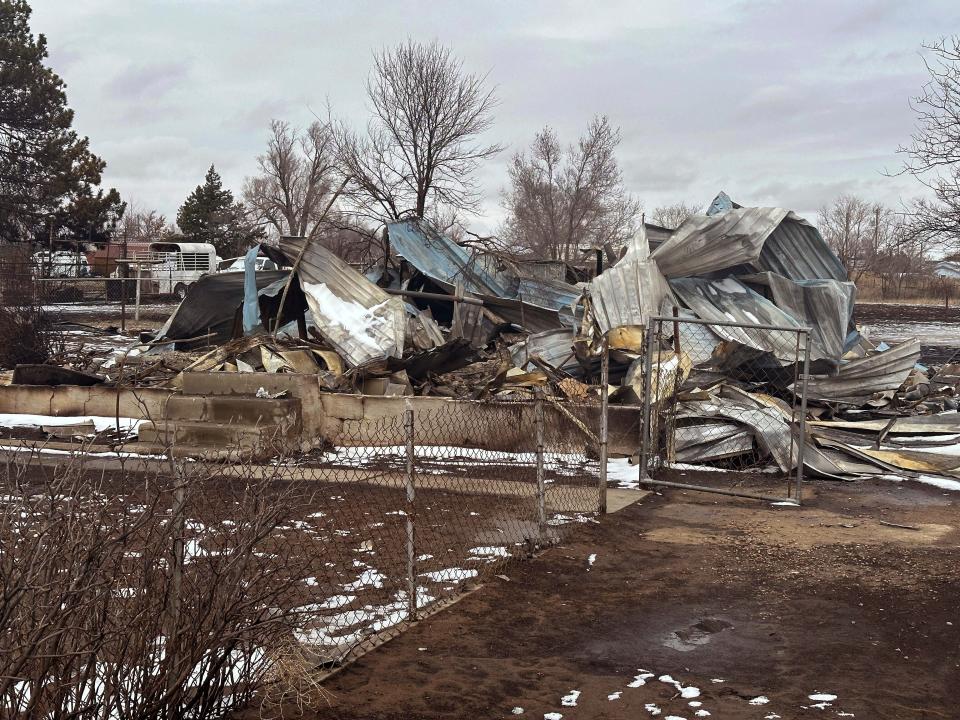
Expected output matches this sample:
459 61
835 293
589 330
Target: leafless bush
145 604
26 335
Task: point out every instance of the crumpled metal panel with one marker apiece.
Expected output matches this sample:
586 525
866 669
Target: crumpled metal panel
627 293
859 380
383 330
554 347
731 300
825 306
797 250
759 239
443 261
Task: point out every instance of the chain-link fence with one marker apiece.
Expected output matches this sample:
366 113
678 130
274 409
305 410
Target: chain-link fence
725 396
191 585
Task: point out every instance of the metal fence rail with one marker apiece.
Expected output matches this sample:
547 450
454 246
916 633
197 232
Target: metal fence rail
717 398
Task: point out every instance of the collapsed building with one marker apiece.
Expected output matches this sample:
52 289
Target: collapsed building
440 320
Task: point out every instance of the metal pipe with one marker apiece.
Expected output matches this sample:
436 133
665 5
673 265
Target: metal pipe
676 330
604 385
731 323
541 481
411 497
645 424
434 296
803 417
136 309
719 491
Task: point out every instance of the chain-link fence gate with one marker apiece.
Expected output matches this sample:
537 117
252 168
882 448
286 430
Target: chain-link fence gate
729 397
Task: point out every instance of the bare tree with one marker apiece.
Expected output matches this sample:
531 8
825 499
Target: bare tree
296 180
845 225
421 147
561 198
672 216
867 237
933 156
142 225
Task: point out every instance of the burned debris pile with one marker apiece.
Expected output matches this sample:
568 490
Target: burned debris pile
744 295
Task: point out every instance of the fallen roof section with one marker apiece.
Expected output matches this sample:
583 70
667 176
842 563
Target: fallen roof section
448 264
729 300
628 293
361 321
825 306
760 239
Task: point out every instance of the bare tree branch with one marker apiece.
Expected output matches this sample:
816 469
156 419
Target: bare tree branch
559 199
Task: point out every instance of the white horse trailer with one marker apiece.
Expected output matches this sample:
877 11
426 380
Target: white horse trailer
177 265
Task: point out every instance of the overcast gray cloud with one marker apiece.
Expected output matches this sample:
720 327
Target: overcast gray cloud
777 102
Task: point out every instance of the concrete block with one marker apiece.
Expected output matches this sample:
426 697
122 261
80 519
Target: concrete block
282 412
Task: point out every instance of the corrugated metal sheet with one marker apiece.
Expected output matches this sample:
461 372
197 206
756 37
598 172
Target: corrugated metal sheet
554 347
381 329
443 261
859 380
761 239
627 294
797 250
825 306
731 300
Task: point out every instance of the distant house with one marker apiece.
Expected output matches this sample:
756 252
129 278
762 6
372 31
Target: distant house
947 268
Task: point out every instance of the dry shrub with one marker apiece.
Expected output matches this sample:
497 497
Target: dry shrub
26 335
112 605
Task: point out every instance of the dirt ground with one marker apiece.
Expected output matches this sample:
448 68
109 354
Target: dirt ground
750 608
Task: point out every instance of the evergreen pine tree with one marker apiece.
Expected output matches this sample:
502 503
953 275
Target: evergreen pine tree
209 214
46 169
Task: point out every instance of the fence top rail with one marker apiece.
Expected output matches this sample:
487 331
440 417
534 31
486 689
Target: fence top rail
730 323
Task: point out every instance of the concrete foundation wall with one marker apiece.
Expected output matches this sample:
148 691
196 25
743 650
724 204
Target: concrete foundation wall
342 419
73 400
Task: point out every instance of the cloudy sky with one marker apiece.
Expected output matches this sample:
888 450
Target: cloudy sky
777 102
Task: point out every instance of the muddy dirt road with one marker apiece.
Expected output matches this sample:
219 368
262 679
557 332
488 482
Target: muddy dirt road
753 611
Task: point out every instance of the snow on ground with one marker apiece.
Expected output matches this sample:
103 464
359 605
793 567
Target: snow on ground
105 454
453 575
935 480
490 553
22 420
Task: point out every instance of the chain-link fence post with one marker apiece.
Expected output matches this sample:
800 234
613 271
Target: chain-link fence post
647 384
541 481
604 385
803 415
411 497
